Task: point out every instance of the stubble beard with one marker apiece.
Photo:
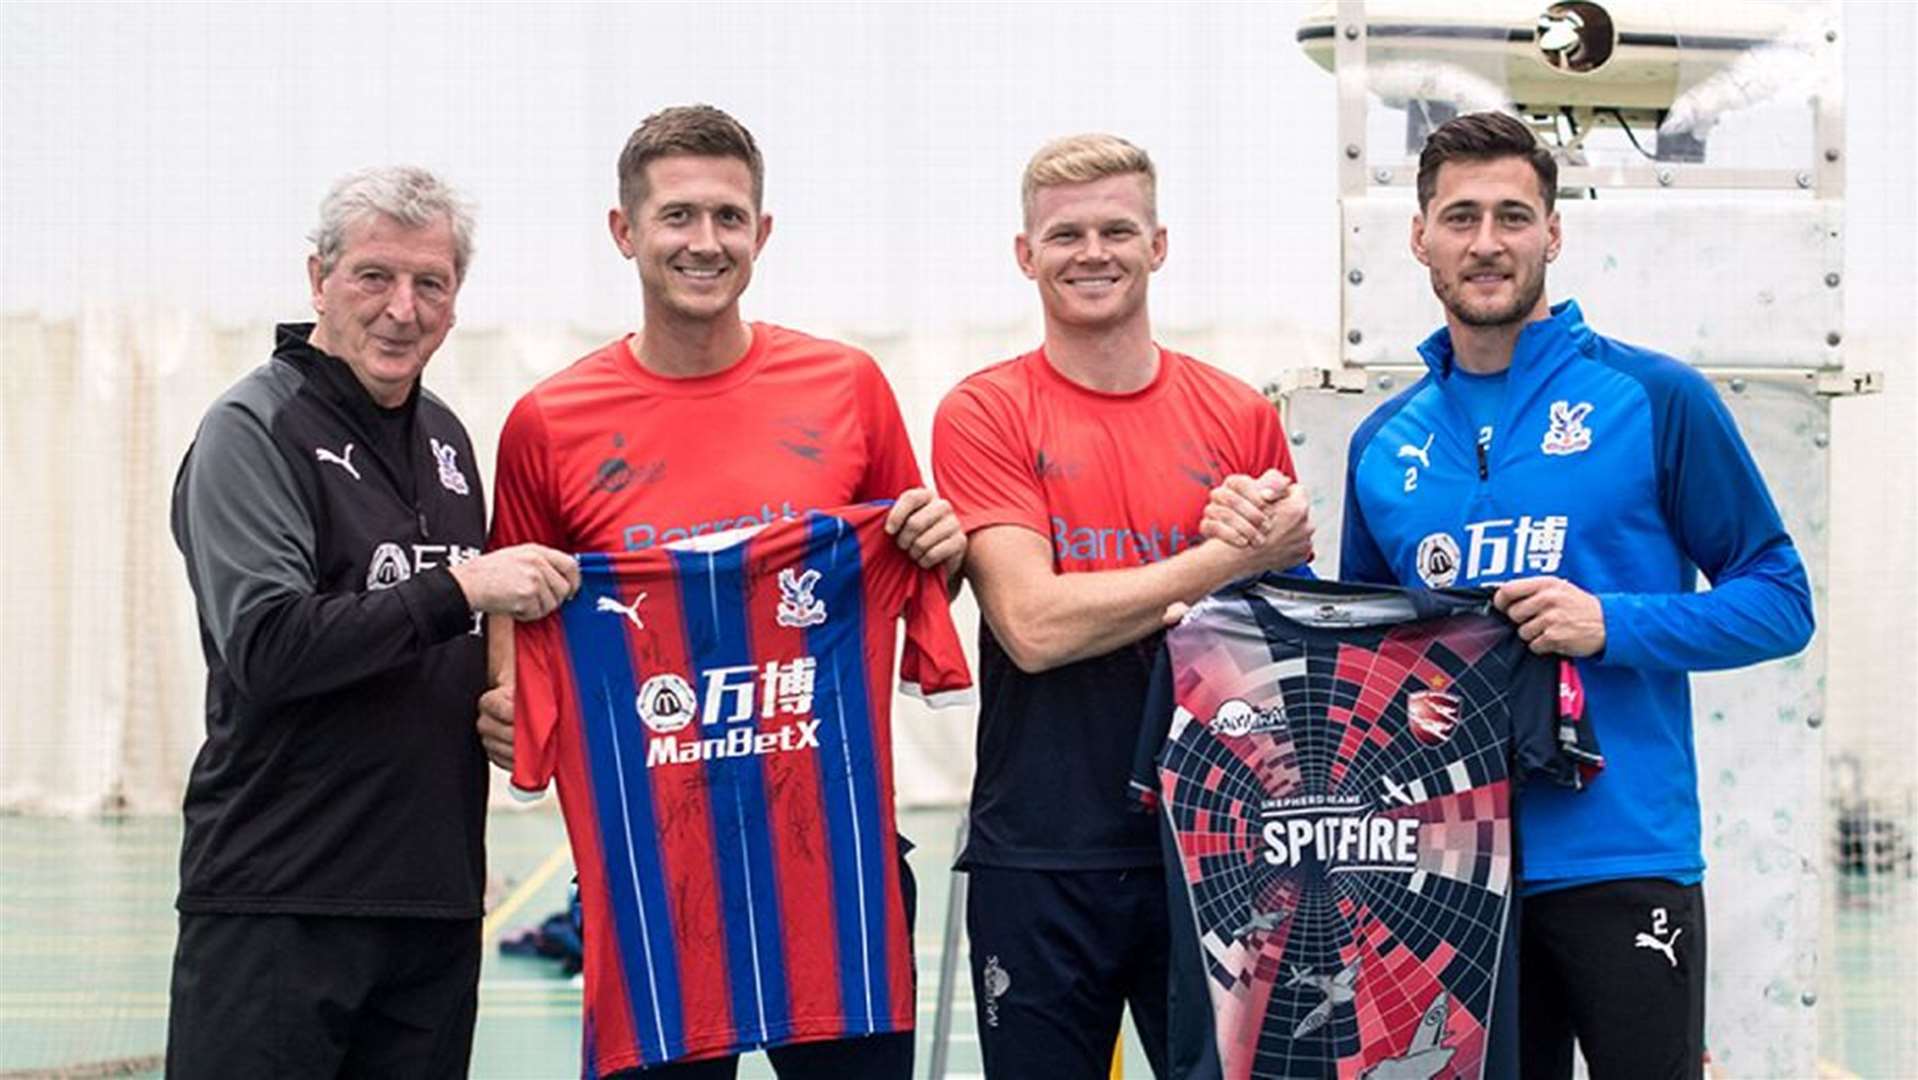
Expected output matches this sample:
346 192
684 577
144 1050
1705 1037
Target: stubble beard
1531 287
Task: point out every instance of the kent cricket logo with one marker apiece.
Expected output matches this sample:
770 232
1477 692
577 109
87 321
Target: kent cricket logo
1338 834
1432 714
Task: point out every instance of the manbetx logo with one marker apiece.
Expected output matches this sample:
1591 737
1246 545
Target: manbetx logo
394 563
731 701
1496 548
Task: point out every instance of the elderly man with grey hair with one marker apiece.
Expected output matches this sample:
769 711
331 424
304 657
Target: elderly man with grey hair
331 518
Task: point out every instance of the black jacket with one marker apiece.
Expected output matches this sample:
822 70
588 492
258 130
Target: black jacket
341 774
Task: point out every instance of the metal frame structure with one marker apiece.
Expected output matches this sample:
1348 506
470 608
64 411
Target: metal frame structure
954 938
1824 176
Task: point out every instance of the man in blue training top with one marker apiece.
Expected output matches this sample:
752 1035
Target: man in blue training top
1590 481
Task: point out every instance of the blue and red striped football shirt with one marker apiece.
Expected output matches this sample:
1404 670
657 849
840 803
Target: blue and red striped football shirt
716 713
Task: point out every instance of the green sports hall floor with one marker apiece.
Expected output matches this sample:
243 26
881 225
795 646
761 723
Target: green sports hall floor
87 925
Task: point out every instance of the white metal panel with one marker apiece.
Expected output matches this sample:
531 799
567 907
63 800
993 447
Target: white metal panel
1659 50
1759 736
1761 764
1712 281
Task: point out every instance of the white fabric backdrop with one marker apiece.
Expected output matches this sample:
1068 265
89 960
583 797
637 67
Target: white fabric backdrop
101 647
159 165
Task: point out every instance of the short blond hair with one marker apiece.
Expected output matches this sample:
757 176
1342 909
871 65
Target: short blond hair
1078 159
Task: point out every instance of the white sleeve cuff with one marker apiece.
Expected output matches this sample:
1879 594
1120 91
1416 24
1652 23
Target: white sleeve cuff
520 794
947 699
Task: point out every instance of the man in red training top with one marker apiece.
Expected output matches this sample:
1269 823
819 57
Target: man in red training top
1081 472
703 422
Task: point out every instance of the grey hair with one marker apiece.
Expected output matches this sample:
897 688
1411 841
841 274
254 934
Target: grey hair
409 195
